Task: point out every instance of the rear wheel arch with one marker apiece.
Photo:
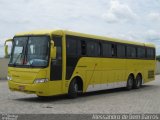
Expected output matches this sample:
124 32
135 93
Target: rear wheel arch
140 75
131 74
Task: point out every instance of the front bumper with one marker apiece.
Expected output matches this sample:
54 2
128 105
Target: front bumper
40 89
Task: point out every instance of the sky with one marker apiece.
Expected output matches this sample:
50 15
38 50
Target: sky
135 20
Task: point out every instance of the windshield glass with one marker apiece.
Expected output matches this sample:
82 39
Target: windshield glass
30 51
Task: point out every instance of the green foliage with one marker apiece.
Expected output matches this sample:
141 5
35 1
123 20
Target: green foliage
158 57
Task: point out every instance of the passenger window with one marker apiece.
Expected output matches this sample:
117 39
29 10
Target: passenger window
107 50
71 47
150 53
83 48
114 50
90 49
131 52
141 52
121 51
93 48
97 49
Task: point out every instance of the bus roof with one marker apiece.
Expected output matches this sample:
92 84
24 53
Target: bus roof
61 32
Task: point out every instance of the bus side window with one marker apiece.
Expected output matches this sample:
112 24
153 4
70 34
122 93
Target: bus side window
83 47
114 50
90 48
131 52
150 53
121 51
93 48
97 49
141 52
106 50
71 47
153 53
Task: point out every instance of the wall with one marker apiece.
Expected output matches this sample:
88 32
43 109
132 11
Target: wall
3 68
158 68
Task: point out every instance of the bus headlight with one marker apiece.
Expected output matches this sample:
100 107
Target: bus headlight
9 78
41 80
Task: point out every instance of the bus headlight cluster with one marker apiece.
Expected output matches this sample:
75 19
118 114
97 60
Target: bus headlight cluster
9 78
41 80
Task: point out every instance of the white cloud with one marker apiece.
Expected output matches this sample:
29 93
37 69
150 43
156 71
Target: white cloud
152 36
119 12
154 16
88 16
2 41
110 17
131 36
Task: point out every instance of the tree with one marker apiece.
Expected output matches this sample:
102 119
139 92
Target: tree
158 57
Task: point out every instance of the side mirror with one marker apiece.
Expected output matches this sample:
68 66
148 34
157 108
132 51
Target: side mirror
53 50
6 47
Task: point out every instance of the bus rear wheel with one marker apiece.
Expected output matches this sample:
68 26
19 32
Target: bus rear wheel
130 82
73 89
138 82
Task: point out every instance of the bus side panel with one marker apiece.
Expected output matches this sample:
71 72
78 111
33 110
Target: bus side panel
113 72
149 70
108 73
143 67
101 73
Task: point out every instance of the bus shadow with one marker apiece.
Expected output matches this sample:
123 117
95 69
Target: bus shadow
85 95
117 90
43 99
103 92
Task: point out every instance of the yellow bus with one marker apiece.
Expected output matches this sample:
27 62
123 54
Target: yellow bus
54 62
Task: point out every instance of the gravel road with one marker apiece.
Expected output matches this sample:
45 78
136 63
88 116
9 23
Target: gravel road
143 100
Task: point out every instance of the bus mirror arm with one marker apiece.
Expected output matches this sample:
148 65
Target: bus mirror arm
6 47
53 50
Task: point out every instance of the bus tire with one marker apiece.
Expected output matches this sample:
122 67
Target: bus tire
137 82
130 82
73 89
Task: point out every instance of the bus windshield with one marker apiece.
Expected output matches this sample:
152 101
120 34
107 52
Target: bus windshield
30 51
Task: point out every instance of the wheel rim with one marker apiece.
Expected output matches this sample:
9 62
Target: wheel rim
130 82
138 81
76 87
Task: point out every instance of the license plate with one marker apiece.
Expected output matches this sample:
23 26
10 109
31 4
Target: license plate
21 88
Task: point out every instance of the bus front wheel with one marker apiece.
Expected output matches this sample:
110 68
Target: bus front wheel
73 89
